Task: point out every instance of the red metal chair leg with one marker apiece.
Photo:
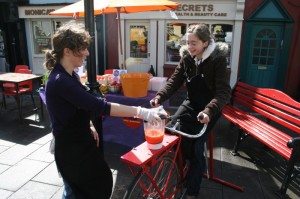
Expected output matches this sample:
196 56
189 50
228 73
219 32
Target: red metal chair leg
211 168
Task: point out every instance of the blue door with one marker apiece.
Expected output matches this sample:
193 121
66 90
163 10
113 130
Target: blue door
264 53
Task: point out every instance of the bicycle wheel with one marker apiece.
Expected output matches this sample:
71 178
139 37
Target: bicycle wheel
142 188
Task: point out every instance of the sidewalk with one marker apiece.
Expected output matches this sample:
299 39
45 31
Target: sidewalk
27 169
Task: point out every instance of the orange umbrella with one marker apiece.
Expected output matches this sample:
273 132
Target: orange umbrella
116 6
111 6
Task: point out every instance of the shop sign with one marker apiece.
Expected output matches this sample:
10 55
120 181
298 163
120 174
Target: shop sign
206 10
42 41
37 11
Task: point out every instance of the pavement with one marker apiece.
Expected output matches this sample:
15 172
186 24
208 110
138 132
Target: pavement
28 170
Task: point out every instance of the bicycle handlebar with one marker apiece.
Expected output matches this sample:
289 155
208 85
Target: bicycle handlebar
174 130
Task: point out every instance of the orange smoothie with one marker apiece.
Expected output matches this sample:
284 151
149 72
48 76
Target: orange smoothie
154 136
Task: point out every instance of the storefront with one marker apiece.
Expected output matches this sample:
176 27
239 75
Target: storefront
154 38
40 27
150 38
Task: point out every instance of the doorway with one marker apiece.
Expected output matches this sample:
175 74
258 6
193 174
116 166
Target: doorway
263 59
266 42
137 46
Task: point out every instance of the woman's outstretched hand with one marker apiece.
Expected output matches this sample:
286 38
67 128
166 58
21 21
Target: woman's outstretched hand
149 115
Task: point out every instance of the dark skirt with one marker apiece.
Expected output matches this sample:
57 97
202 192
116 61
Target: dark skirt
82 165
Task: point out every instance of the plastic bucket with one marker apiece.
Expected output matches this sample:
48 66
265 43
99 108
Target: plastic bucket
135 84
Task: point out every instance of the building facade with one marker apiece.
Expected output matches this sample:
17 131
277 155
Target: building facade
263 36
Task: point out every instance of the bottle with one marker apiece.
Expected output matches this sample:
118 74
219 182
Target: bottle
151 71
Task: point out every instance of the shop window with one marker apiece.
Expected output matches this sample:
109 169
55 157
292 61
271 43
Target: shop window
176 38
223 33
41 36
138 41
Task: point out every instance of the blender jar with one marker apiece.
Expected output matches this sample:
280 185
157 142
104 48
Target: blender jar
154 133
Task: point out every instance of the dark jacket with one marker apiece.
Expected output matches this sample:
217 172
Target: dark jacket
214 67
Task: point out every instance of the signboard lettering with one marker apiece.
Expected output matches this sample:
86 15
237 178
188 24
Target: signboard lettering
38 11
204 10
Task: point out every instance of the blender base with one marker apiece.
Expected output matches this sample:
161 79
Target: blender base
154 146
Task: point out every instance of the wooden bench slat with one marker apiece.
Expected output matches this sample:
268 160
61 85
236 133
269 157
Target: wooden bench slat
275 94
268 134
274 131
269 105
270 116
268 100
266 137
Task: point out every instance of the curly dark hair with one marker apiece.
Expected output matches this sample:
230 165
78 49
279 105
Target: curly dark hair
71 35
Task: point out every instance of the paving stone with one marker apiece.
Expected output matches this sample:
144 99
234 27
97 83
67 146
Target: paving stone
17 153
35 190
3 168
213 193
45 139
49 175
58 194
5 193
6 143
120 185
18 175
42 154
3 148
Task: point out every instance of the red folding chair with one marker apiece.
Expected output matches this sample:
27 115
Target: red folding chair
17 68
23 88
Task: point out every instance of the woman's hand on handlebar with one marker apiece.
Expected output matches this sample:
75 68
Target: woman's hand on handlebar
203 118
155 102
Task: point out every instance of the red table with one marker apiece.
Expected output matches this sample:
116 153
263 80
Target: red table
17 78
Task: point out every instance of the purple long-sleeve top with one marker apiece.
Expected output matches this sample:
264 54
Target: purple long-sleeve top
65 94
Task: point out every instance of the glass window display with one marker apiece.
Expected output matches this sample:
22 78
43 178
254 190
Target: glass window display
138 41
41 36
175 39
42 31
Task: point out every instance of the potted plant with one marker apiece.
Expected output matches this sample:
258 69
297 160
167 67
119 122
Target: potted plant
44 80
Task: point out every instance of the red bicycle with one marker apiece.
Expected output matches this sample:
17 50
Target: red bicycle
159 173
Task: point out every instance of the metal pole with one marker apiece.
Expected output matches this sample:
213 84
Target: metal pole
91 59
91 65
123 66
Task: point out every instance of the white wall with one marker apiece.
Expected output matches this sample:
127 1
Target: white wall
51 1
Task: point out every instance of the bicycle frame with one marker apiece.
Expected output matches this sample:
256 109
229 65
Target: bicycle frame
140 160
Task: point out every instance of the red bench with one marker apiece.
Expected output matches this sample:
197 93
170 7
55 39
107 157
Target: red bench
249 105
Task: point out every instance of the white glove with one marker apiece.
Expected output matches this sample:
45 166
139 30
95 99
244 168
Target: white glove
148 115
